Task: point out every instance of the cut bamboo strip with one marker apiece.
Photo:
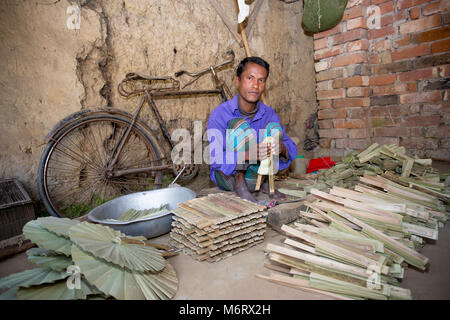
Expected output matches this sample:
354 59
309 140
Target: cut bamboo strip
306 227
284 260
299 284
374 202
309 258
384 219
300 245
422 231
412 257
312 215
322 282
277 268
341 225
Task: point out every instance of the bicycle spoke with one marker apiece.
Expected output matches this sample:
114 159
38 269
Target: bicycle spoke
95 147
75 170
80 197
87 161
79 145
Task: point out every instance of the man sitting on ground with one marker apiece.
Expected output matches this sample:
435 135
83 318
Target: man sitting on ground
239 128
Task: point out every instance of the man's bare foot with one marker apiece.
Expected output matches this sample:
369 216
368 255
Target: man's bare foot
277 195
241 188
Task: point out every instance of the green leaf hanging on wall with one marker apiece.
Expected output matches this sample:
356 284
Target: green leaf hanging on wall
321 15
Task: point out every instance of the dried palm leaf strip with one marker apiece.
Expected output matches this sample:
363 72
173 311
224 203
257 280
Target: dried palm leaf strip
299 284
369 213
339 252
412 209
32 277
395 188
313 259
226 228
205 204
374 220
248 205
373 202
218 198
412 257
194 217
235 251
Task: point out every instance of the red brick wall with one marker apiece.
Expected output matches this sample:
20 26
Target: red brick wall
388 84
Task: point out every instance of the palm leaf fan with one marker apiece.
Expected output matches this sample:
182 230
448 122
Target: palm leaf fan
45 239
31 277
9 294
49 259
122 283
59 226
57 291
109 244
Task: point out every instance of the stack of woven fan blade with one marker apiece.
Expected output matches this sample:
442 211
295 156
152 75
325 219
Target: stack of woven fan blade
109 264
217 226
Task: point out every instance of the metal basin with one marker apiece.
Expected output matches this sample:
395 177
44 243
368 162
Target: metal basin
150 227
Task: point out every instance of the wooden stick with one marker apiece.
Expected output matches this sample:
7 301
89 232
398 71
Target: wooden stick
241 31
410 255
14 245
258 182
226 21
252 18
297 283
271 179
321 261
300 284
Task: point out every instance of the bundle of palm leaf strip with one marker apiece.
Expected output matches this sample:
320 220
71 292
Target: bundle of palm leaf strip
375 160
134 214
217 226
357 243
335 263
111 264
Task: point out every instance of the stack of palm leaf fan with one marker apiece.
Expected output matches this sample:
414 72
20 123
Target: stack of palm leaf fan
110 264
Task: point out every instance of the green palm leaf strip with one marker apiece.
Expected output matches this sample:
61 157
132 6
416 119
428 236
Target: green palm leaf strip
46 239
122 283
49 259
59 226
31 277
56 291
110 245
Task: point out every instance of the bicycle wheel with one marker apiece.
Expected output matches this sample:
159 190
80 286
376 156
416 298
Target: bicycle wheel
72 176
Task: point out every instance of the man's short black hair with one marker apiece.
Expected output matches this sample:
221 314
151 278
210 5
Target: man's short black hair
256 60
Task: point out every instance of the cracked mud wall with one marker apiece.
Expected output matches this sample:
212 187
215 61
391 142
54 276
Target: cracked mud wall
49 71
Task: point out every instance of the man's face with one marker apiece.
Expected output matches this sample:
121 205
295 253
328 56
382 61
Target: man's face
252 82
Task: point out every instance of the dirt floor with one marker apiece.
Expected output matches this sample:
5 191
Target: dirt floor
234 277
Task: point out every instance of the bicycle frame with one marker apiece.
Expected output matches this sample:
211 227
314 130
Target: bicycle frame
147 97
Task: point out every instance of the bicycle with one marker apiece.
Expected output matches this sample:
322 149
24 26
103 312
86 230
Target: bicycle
95 155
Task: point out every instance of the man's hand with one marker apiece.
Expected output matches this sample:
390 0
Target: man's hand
276 148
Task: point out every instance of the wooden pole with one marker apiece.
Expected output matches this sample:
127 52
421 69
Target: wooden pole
247 52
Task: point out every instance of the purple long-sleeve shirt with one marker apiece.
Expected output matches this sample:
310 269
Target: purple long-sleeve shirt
218 124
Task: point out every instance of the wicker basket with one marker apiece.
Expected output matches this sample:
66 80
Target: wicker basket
16 208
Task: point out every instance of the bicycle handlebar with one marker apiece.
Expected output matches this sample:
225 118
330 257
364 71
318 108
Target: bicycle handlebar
202 72
165 83
168 84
